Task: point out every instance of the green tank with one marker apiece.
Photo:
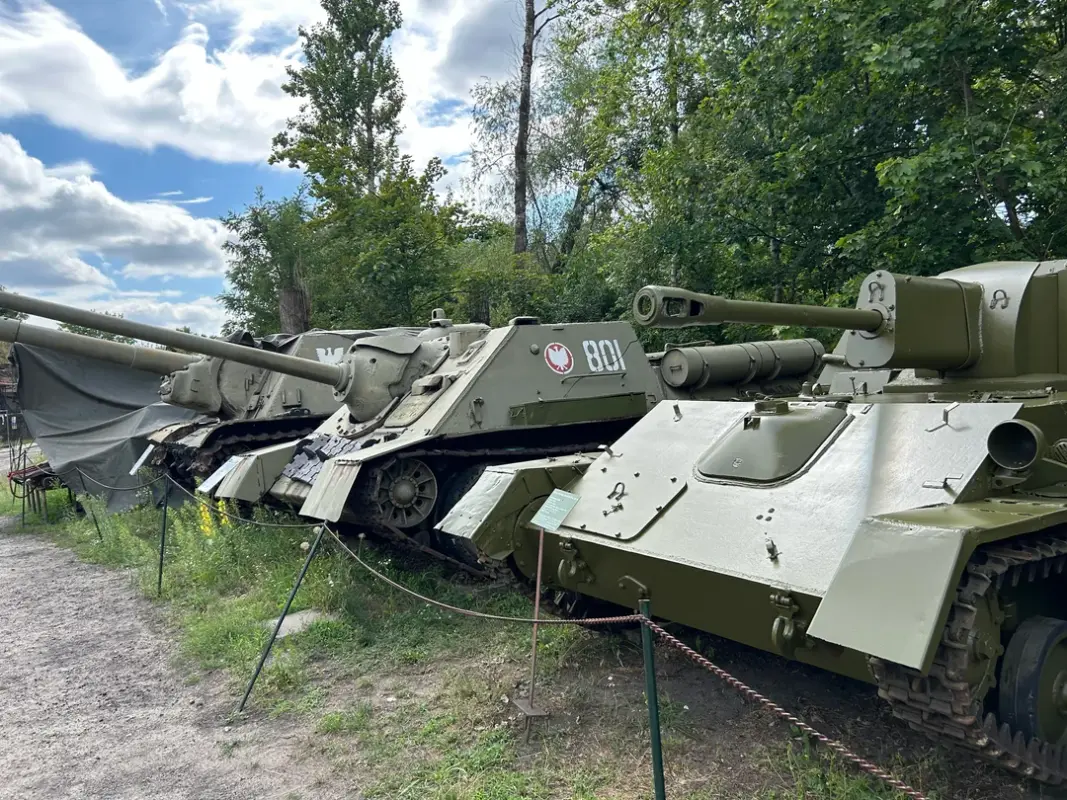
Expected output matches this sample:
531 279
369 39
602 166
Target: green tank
250 391
422 419
902 521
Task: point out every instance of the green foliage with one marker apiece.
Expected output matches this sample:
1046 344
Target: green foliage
773 151
271 250
345 136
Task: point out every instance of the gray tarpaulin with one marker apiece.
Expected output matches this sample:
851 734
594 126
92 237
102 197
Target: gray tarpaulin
92 416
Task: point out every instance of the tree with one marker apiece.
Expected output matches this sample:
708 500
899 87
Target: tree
534 22
385 259
345 135
81 330
268 269
556 171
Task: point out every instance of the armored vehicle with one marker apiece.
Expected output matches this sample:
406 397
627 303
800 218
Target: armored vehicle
392 460
247 396
902 522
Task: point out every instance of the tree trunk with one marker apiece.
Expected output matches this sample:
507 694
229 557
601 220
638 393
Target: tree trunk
574 218
294 304
523 135
1011 207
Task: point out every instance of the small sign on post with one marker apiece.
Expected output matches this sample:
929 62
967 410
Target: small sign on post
548 518
554 510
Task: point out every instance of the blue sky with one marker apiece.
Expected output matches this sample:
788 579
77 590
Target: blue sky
128 127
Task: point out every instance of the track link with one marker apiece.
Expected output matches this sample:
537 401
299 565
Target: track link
944 704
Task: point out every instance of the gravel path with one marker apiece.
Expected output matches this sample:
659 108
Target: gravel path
92 706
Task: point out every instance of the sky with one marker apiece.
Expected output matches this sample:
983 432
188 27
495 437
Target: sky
129 127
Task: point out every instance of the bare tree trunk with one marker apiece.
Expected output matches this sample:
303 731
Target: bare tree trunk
294 304
523 136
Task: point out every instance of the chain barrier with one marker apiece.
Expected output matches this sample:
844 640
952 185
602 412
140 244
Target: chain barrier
748 692
754 696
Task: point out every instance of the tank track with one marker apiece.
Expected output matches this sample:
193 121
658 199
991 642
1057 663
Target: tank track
203 461
944 704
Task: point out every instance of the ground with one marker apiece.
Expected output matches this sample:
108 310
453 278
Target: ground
92 705
106 692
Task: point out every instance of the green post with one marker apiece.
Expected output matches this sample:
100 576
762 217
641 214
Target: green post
285 610
647 644
162 540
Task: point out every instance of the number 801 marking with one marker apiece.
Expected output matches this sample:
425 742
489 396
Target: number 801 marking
604 355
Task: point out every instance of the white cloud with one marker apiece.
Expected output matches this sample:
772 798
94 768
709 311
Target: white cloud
222 105
192 201
202 315
219 97
71 170
51 221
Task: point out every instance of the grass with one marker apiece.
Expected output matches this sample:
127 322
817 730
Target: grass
409 701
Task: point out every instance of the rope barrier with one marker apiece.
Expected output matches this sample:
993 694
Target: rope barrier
212 507
477 614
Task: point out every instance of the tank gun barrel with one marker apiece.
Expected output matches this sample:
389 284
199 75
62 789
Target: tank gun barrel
329 374
160 362
669 307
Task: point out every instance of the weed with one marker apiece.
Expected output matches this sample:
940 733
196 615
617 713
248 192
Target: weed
350 721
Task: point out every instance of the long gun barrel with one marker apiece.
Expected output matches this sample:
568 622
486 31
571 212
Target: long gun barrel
329 374
668 307
160 362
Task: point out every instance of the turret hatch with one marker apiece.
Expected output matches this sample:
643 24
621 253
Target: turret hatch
773 442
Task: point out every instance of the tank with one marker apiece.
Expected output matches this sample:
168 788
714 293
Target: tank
252 392
407 444
902 521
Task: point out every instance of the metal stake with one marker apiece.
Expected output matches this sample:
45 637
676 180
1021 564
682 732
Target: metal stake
527 706
96 524
162 540
285 610
24 490
645 607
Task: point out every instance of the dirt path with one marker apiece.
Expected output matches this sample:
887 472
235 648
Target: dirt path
91 705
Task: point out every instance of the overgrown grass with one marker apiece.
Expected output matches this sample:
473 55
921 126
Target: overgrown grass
386 681
225 581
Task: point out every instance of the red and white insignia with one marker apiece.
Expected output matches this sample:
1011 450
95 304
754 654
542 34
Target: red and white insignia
559 358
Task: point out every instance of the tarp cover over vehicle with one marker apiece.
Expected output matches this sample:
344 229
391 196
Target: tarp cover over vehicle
91 418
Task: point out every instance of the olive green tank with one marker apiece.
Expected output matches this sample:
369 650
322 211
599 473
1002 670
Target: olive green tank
250 391
422 418
903 521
